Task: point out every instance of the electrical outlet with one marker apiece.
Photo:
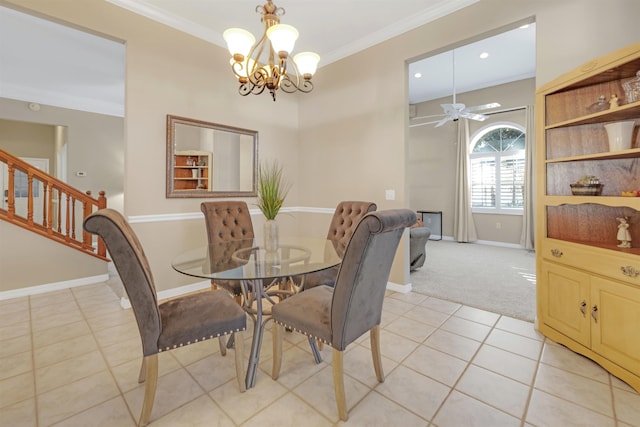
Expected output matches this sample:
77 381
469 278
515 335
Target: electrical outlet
498 225
390 194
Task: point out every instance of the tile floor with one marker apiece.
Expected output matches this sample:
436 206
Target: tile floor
71 358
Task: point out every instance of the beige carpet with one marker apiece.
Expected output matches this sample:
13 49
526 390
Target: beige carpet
492 278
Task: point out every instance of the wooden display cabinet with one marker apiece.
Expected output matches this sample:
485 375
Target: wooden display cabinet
588 288
192 171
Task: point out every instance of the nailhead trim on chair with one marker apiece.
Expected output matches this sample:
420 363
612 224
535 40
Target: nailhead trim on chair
203 339
302 332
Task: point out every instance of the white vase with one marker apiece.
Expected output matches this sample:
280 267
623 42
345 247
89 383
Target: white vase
620 134
271 235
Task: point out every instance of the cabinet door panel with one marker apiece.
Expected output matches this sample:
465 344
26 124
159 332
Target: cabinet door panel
615 332
564 297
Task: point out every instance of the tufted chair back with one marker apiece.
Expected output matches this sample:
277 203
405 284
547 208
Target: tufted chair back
132 265
227 220
344 221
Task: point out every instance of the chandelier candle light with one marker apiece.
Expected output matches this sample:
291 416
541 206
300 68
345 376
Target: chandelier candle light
270 72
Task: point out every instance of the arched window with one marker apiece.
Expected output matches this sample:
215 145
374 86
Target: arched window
497 159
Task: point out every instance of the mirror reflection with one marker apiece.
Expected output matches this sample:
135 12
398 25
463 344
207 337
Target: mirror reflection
210 160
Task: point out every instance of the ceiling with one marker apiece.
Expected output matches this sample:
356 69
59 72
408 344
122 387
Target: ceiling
38 64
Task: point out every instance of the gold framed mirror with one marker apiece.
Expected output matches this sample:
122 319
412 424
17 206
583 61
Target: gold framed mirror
210 160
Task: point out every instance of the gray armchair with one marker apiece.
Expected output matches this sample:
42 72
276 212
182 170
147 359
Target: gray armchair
418 238
340 315
175 323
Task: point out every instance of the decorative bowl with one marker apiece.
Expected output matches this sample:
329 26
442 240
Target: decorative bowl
586 189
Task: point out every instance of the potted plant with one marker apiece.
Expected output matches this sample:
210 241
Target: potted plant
272 190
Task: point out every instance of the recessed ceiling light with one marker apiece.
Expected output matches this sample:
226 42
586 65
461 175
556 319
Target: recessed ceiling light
524 26
417 75
484 55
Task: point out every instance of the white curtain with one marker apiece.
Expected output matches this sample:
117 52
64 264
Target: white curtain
464 229
527 238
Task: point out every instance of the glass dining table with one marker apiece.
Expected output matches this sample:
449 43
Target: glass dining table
265 276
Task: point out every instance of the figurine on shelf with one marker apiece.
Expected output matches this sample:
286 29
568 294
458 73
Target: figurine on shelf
613 102
624 236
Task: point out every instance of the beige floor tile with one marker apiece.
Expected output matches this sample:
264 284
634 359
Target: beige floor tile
358 363
174 390
627 406
547 410
409 328
436 364
45 311
192 353
15 364
56 334
387 317
51 298
71 399
68 371
561 357
441 305
56 319
202 412
519 327
215 370
476 315
453 344
63 350
123 351
427 315
14 330
21 414
242 406
114 318
14 305
15 345
515 343
410 297
377 411
618 383
16 389
126 374
393 345
13 317
505 394
396 306
280 414
319 392
505 363
461 410
114 334
575 388
297 366
112 413
414 391
466 328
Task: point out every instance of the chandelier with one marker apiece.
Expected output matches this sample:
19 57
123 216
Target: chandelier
266 65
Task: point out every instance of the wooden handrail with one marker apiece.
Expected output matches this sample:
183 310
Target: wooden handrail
57 219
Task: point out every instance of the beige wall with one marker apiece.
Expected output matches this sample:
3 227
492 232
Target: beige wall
431 164
347 139
25 139
95 145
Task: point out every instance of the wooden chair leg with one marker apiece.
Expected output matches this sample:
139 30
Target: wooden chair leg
223 345
338 384
151 382
277 331
143 371
238 345
374 333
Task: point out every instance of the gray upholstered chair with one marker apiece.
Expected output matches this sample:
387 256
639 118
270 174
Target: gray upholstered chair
227 220
418 238
174 323
338 316
345 218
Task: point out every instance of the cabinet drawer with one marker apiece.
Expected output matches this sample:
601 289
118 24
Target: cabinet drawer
594 260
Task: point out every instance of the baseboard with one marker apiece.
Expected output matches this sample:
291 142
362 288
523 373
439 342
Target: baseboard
489 243
403 289
50 287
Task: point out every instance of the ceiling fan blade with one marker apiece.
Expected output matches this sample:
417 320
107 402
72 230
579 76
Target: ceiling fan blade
443 121
425 123
472 116
483 107
452 108
426 117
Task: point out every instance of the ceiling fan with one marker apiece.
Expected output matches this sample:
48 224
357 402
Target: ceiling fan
454 111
